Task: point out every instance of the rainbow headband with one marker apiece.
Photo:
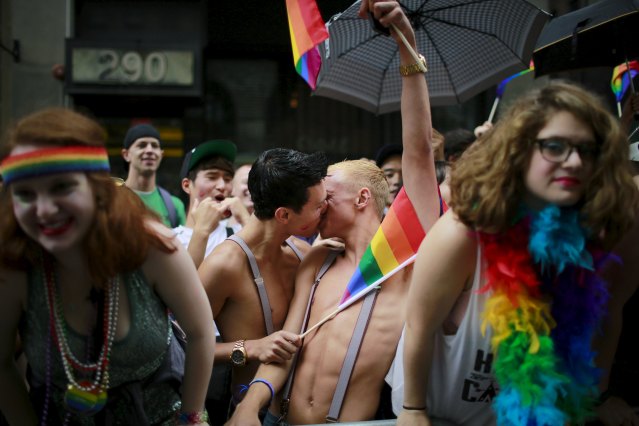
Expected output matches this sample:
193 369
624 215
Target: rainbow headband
54 160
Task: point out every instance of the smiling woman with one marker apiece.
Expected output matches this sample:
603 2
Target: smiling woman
506 293
80 256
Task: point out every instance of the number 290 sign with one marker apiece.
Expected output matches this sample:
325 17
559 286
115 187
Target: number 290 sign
120 66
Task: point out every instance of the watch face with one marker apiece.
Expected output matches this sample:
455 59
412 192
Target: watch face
237 357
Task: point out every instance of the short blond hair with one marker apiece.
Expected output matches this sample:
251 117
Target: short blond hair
364 173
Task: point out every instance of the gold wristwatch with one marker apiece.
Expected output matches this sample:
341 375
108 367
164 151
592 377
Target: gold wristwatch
238 355
406 70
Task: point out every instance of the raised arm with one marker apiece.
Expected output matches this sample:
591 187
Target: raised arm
418 165
14 399
176 281
444 266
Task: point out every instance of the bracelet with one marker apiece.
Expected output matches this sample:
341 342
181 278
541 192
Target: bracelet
267 383
191 418
408 407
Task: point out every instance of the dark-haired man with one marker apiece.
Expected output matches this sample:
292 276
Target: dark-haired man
207 174
289 199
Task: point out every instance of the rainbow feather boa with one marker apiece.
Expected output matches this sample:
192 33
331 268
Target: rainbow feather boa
545 305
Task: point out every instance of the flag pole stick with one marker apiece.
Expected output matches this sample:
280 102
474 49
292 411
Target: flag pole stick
359 295
421 66
493 109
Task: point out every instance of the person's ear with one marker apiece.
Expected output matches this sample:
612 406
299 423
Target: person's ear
282 215
363 198
125 155
186 185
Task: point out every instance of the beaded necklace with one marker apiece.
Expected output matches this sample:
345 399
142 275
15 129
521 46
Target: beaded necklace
82 397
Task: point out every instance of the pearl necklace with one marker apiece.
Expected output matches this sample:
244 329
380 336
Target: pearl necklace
83 397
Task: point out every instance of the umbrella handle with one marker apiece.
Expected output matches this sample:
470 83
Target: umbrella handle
410 49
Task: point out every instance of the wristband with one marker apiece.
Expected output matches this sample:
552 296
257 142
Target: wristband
267 383
409 408
196 417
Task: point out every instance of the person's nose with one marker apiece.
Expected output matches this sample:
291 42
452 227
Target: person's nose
324 207
574 158
45 207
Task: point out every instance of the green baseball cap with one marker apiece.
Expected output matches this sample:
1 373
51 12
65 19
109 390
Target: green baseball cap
213 148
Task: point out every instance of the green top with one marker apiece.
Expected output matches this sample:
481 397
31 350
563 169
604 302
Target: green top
153 200
137 388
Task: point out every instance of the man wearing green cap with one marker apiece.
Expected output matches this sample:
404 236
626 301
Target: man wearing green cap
207 175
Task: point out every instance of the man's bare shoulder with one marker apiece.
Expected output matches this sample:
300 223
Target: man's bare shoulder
227 261
301 245
314 260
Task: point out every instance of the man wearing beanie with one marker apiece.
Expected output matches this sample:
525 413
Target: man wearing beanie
143 154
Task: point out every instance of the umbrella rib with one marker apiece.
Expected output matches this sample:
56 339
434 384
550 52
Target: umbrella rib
386 67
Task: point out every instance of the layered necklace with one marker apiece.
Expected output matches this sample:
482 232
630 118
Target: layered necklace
546 302
85 396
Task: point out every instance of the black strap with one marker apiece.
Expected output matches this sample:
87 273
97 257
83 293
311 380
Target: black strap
170 207
286 391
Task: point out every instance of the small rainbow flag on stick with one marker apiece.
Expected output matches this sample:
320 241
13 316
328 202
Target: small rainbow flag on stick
393 247
621 80
307 31
501 88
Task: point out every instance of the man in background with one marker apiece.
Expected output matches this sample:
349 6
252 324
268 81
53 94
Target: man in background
143 153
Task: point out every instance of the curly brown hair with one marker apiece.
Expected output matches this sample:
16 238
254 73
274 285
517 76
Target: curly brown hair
118 240
487 182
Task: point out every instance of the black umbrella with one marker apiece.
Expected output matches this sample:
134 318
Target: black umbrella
602 34
469 46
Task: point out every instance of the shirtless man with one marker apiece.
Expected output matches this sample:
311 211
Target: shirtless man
289 199
355 206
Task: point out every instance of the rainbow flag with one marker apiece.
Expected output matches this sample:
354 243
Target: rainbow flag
394 246
502 86
307 31
618 83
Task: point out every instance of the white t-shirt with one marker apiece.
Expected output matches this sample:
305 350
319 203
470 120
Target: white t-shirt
216 237
461 386
184 234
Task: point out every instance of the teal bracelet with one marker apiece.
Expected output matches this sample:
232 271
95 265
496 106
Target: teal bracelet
267 383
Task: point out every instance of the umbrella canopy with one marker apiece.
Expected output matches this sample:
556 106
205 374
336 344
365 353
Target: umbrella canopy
602 34
469 46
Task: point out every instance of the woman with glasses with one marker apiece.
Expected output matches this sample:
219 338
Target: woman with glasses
506 296
87 279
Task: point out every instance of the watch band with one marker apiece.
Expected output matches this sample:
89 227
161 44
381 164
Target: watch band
406 70
239 347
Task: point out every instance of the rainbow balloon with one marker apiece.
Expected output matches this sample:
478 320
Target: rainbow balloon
307 31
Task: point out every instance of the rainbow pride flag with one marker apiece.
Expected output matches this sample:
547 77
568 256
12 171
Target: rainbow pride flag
618 83
394 246
307 31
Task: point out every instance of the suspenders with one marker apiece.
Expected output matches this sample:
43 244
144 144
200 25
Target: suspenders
351 353
259 281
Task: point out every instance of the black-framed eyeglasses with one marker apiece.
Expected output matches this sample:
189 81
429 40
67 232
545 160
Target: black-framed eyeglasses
558 150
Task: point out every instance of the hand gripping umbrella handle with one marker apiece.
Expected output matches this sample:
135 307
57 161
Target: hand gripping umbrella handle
410 48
